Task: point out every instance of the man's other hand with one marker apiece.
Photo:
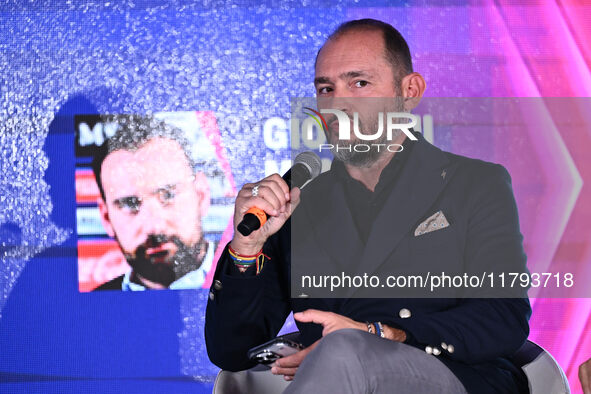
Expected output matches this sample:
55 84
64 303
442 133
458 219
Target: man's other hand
329 320
287 366
333 321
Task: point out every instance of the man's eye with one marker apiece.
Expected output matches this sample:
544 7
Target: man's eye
166 196
131 204
361 84
324 90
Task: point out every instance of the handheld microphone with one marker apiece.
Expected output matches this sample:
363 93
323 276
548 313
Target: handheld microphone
307 166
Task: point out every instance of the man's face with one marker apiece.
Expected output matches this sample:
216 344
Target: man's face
154 204
353 75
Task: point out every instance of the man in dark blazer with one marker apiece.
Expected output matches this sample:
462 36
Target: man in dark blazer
376 210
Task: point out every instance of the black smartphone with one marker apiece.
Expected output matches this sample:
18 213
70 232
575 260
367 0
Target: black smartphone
276 348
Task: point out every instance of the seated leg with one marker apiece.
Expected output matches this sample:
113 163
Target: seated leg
353 361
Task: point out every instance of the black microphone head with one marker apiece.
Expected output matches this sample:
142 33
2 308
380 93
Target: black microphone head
311 161
307 166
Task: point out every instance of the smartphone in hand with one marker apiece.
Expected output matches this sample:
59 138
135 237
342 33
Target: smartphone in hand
276 348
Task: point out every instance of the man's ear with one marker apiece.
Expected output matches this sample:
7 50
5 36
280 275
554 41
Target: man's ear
105 220
202 187
413 86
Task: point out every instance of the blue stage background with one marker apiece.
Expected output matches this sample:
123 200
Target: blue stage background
242 62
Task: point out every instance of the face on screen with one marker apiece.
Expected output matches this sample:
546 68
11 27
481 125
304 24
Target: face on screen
154 204
353 75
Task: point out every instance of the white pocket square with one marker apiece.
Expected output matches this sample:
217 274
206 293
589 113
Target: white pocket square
435 222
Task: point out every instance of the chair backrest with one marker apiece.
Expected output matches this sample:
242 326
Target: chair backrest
544 375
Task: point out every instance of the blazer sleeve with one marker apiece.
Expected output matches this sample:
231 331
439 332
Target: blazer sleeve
481 329
244 311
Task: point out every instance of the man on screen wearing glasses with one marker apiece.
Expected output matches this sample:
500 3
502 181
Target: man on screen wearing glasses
152 202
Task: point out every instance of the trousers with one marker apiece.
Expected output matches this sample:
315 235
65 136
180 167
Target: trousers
357 362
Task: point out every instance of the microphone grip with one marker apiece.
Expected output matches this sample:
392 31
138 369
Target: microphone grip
252 220
255 217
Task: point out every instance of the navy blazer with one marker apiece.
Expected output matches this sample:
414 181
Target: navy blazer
476 198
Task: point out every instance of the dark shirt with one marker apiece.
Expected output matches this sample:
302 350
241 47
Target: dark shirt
364 204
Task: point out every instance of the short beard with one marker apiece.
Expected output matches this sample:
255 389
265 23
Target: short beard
187 258
364 159
359 159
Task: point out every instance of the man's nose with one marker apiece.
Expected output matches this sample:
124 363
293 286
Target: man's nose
343 104
336 101
153 217
339 90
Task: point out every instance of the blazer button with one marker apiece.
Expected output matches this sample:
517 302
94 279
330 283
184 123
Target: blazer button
217 285
211 296
450 348
436 351
429 350
404 313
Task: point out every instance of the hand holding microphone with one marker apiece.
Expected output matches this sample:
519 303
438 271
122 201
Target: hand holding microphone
263 207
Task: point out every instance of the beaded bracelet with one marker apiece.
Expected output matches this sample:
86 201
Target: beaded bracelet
379 329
